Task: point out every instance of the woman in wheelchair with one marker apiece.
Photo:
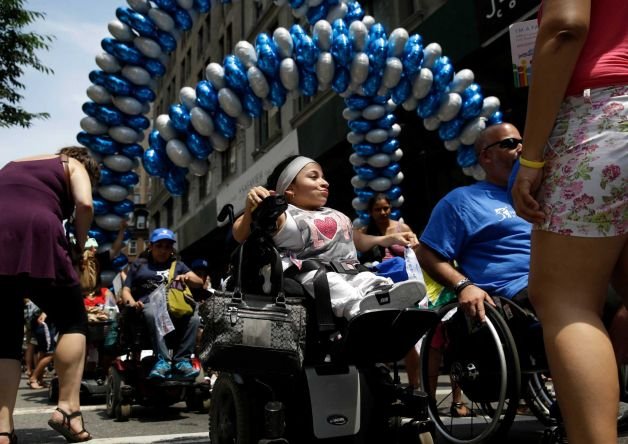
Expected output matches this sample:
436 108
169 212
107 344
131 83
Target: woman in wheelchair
310 231
144 276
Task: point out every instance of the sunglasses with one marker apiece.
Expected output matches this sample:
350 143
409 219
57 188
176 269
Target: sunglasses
509 143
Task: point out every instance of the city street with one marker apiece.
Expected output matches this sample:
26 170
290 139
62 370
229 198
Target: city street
176 425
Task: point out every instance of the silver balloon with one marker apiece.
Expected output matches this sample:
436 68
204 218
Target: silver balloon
397 155
162 19
356 160
359 34
128 105
390 106
187 96
165 128
422 83
356 182
98 94
449 107
396 203
472 130
289 74
489 106
478 172
114 193
380 184
325 69
322 33
219 143
123 134
354 138
395 130
431 123
215 73
431 52
452 145
93 126
186 4
379 160
118 163
257 82
359 68
245 52
148 47
120 31
397 41
199 167
358 205
108 63
351 114
201 121
136 74
313 3
377 135
398 178
368 21
410 104
461 80
373 112
141 6
109 222
178 153
337 12
229 102
244 121
283 40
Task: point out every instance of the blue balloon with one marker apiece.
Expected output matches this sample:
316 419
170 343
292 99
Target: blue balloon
225 125
84 138
117 85
132 150
316 13
206 96
119 262
267 57
414 39
107 177
472 106
108 44
308 83
360 126
198 145
386 122
306 53
128 179
390 146
277 94
366 172
402 91
364 194
471 90
451 129
252 104
377 52
377 31
381 100
154 67
363 214
182 19
97 77
156 142
123 207
202 6
354 12
126 53
342 50
235 75
339 27
296 4
98 234
166 41
101 206
167 5
342 79
144 94
429 104
443 72
496 118
154 162
466 156
143 25
395 214
391 170
104 145
179 117
357 102
394 193
175 181
371 84
365 149
138 122
103 113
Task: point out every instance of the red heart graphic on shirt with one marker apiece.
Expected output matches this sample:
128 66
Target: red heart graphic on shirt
327 227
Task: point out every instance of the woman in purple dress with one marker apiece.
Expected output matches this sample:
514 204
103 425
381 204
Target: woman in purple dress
36 194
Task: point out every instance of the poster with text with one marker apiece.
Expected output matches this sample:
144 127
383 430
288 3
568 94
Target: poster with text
522 38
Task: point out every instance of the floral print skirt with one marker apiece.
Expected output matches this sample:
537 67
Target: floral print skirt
585 187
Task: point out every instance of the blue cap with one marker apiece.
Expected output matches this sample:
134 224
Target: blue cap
160 234
199 264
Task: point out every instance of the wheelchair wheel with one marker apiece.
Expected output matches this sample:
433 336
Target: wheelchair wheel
482 365
114 407
229 413
539 396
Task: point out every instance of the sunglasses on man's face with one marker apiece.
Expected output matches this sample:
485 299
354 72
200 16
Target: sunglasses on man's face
510 143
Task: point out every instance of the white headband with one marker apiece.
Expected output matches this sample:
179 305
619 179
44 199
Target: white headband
290 172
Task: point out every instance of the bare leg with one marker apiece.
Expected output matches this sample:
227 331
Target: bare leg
10 379
412 367
38 374
569 277
29 358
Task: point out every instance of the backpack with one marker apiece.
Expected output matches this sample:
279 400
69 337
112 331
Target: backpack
89 270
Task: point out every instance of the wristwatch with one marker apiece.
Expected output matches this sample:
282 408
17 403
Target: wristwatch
461 285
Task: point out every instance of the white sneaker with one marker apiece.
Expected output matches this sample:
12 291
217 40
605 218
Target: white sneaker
401 295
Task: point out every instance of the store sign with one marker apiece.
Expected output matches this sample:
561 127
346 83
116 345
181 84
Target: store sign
495 16
522 39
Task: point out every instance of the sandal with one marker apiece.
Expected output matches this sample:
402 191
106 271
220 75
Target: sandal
460 410
35 385
65 428
11 435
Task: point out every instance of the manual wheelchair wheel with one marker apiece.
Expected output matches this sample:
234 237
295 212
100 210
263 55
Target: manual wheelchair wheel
539 395
229 413
480 363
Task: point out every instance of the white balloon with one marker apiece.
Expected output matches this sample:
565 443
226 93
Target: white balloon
165 128
397 40
354 138
452 145
98 94
478 172
114 193
199 167
141 6
368 21
461 80
244 121
162 19
395 130
245 52
358 205
123 134
449 107
120 31
216 75
337 12
322 34
300 11
398 202
398 178
128 105
397 155
284 43
186 4
359 34
325 69
148 47
351 114
201 121
93 126
357 182
431 123
377 135
410 104
489 106
373 112
390 106
118 163
109 222
178 153
380 184
431 52
379 160
219 143
229 102
313 3
187 96
289 74
108 63
422 83
356 160
136 74
359 68
472 130
257 81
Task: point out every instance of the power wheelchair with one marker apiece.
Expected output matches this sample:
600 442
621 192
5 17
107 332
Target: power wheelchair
343 392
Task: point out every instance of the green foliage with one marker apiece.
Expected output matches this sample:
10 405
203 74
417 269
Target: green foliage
17 52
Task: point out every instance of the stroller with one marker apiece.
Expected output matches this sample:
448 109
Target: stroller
341 391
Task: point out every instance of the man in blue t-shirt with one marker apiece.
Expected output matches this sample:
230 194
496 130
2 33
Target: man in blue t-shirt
477 227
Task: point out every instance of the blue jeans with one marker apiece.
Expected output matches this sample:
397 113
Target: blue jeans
183 338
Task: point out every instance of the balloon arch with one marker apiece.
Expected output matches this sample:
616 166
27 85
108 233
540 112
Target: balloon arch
348 52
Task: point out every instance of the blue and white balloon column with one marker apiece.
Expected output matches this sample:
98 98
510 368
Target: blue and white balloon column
347 51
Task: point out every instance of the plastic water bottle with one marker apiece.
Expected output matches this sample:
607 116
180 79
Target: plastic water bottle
412 266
